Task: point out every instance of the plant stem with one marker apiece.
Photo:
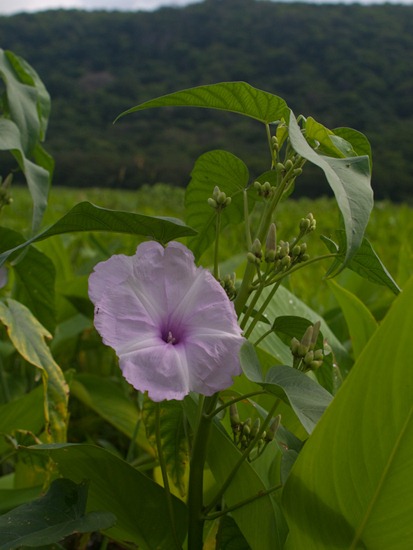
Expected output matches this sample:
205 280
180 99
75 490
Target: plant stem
243 503
216 252
235 400
162 464
241 460
262 309
196 476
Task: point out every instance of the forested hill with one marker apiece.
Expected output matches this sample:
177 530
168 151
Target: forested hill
345 65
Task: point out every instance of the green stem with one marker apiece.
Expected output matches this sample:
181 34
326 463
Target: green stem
4 383
241 460
235 400
262 309
216 252
251 305
242 503
196 486
162 464
270 206
248 239
129 456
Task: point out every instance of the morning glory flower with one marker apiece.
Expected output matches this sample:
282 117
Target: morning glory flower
171 323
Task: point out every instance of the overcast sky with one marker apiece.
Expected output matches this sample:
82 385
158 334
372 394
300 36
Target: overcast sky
14 6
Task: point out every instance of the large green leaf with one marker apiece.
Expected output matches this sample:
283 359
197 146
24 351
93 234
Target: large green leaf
88 217
352 483
28 337
260 521
306 397
365 262
361 323
230 174
349 178
52 517
138 503
24 413
28 102
173 436
37 177
236 97
106 398
35 279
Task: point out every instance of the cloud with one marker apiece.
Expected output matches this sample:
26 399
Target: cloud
8 7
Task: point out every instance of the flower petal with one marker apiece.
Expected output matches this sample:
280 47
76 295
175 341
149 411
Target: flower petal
170 322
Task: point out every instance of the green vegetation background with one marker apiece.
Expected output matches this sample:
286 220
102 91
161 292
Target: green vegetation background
346 65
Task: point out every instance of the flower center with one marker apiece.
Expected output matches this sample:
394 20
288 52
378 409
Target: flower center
170 339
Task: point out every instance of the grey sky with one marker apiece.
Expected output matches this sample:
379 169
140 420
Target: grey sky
14 6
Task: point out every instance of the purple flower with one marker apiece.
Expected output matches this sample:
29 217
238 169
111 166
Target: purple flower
170 322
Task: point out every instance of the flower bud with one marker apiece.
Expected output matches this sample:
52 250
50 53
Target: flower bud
212 202
246 427
308 357
286 262
256 248
288 165
271 244
255 427
233 415
314 365
272 430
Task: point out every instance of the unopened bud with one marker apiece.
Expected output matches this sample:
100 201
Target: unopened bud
212 202
288 165
314 365
272 430
256 248
308 357
255 427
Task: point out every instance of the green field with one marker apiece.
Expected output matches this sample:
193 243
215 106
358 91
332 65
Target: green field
389 231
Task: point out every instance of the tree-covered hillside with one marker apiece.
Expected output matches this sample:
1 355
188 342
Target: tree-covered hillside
344 65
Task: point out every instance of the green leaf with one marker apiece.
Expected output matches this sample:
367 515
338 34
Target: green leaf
138 503
229 536
51 518
27 336
174 439
88 217
26 98
37 177
324 138
35 279
11 498
365 262
307 398
359 143
286 304
230 174
349 178
361 323
351 485
236 97
260 521
24 413
108 400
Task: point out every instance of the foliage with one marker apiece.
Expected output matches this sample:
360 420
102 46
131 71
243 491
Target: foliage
344 64
309 447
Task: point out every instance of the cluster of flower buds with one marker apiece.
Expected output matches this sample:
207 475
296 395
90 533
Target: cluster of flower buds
288 167
228 284
306 357
283 255
219 199
245 432
265 189
307 224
